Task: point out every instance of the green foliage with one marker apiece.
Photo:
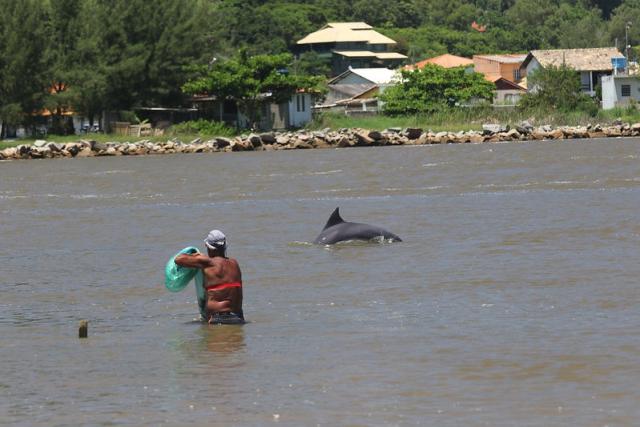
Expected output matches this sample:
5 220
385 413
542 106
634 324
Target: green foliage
557 88
201 127
251 81
435 88
110 55
22 64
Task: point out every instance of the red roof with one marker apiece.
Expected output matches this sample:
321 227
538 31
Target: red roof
446 61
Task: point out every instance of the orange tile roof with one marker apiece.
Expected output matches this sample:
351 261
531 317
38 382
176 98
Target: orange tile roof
446 61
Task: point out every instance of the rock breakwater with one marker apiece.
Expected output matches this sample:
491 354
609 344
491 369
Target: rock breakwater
305 139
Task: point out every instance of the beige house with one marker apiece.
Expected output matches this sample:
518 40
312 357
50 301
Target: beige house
506 66
591 63
351 44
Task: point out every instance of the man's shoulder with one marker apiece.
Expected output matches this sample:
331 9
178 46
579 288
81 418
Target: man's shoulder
232 260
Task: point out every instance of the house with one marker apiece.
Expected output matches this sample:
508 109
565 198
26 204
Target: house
592 64
447 61
622 88
507 92
294 113
619 91
351 44
506 66
355 82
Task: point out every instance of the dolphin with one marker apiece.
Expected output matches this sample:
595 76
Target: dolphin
338 230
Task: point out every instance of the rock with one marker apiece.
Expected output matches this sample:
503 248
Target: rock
476 138
375 135
612 131
10 153
493 128
345 142
513 134
617 122
268 138
525 128
363 139
422 140
55 147
556 134
97 146
254 140
239 144
547 128
39 143
301 145
441 138
413 133
222 142
393 130
85 152
196 141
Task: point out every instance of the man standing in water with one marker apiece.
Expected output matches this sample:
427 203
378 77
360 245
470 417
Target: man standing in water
222 280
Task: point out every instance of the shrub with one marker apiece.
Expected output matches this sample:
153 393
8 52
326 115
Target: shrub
202 127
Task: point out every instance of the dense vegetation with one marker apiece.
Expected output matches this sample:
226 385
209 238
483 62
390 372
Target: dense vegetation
110 55
434 89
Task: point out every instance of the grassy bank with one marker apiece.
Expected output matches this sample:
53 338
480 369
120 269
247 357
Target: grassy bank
473 118
455 120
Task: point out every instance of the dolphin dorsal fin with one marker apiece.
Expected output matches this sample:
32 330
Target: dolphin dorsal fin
334 219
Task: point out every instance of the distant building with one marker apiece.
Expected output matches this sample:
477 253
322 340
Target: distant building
507 92
622 88
357 89
294 113
356 81
447 61
506 66
351 44
592 64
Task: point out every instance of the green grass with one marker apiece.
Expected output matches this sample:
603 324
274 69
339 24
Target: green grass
472 119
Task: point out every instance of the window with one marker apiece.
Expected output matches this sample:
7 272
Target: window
300 103
626 90
516 74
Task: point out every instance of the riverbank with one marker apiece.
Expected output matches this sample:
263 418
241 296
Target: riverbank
305 139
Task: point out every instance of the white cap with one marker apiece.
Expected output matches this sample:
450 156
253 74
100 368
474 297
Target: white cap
216 240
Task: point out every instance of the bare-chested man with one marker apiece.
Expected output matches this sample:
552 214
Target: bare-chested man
222 280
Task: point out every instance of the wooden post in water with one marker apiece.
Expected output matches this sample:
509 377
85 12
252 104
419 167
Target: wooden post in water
83 331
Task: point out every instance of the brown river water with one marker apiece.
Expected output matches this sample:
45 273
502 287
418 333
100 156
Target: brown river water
514 299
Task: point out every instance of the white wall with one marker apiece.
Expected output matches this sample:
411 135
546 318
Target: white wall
300 109
508 97
612 91
532 66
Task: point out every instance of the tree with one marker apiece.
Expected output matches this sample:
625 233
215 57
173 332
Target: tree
22 65
250 81
434 88
556 88
61 57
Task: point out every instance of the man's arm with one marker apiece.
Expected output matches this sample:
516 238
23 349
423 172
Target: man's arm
193 261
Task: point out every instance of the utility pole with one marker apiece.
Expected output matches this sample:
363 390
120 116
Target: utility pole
626 42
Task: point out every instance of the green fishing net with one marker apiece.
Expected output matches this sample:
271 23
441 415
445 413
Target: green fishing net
177 278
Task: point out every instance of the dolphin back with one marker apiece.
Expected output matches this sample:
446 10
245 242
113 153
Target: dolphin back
337 230
334 219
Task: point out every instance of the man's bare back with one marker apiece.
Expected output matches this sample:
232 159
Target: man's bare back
222 281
